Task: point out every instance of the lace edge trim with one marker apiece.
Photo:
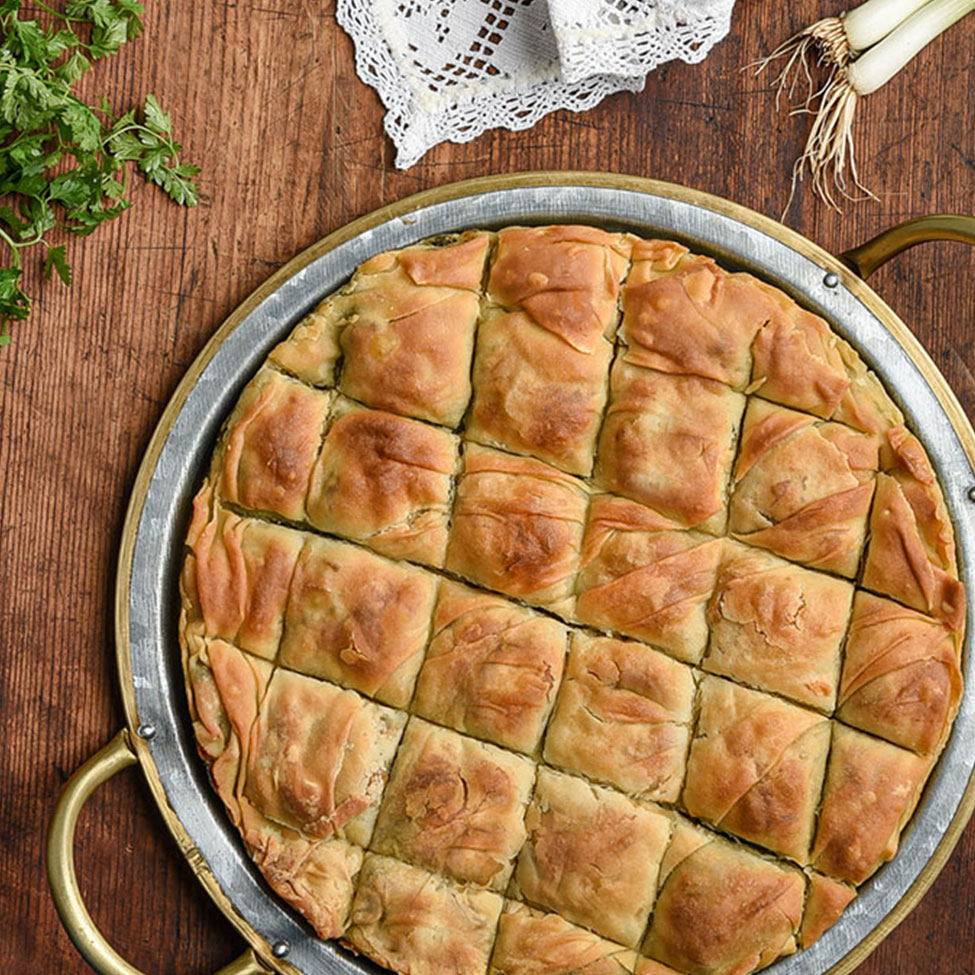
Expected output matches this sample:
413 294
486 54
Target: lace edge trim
414 131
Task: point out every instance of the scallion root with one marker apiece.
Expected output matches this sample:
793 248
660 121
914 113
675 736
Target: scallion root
829 153
825 40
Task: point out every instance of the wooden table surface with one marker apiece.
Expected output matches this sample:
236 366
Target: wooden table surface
266 99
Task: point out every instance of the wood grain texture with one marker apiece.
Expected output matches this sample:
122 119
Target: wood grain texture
265 97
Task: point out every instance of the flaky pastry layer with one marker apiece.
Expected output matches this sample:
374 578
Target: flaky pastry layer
560 602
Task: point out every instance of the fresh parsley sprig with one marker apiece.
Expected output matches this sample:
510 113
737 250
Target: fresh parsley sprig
64 163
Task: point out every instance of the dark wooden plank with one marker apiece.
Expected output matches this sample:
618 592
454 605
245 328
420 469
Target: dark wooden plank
266 98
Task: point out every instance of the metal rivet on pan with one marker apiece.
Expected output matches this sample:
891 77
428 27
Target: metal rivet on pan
146 731
831 280
280 949
971 494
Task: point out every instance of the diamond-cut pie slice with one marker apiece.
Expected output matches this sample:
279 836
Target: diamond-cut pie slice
566 278
270 443
669 442
803 487
311 352
591 856
319 757
301 752
388 294
455 806
532 942
800 362
543 345
623 717
407 332
417 923
911 555
517 527
777 626
384 480
236 577
357 619
683 314
756 767
316 877
826 900
643 579
871 790
722 910
900 674
797 361
535 393
492 668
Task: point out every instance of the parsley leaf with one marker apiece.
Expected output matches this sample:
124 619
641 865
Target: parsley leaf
64 163
56 261
149 144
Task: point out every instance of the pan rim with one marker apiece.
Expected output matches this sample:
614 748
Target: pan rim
402 211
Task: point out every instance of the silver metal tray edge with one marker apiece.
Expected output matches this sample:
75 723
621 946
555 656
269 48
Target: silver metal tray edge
153 656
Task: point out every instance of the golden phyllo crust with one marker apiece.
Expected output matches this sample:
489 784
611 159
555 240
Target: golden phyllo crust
803 488
385 481
800 362
535 393
517 527
911 556
455 805
639 578
316 877
686 316
722 909
900 678
562 603
533 942
357 619
566 278
871 790
647 966
492 668
623 717
777 626
669 442
756 767
237 577
826 900
591 856
270 444
418 923
407 330
545 342
298 751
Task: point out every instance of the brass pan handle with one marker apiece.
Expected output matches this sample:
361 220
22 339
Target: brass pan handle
118 754
866 258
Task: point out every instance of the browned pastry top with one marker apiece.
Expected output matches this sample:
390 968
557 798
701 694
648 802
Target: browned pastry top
559 602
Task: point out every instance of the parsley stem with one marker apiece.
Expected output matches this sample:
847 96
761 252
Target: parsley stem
60 14
14 249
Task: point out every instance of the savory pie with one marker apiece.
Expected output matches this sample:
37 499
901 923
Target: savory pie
560 602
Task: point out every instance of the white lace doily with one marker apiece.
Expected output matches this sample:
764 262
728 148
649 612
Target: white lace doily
631 37
450 69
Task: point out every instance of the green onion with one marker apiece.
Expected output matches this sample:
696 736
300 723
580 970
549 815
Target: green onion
863 49
874 68
834 41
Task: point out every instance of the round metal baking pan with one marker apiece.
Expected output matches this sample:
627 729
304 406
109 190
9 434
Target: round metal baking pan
159 734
